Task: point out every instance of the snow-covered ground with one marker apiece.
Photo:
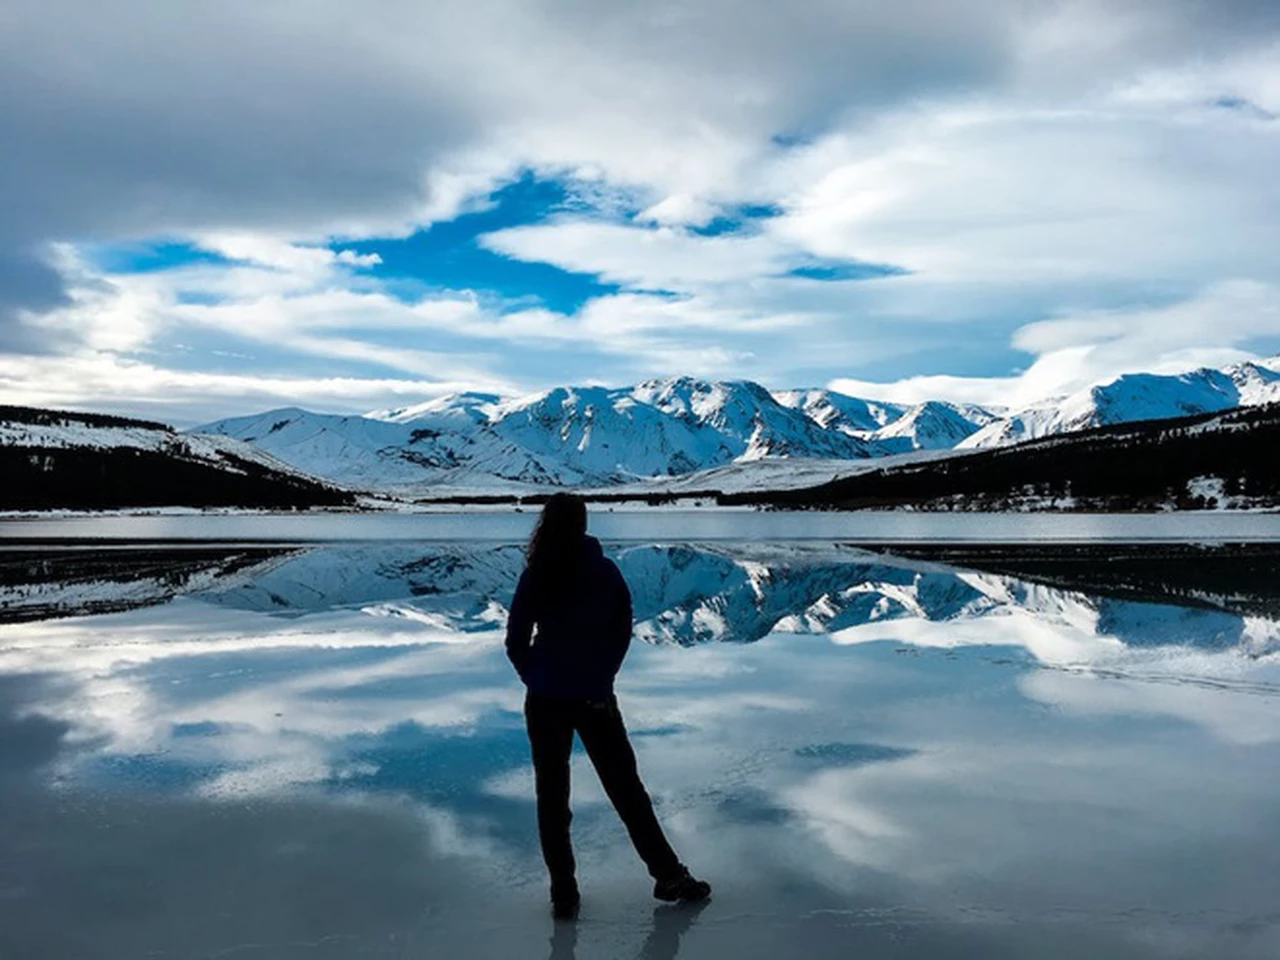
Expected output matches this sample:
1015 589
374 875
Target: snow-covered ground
774 473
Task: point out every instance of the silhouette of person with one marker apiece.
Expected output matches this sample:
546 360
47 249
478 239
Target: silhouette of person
581 607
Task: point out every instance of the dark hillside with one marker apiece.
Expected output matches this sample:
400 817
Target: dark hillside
1214 460
51 459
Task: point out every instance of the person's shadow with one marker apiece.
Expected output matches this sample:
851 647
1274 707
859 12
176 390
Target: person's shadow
663 942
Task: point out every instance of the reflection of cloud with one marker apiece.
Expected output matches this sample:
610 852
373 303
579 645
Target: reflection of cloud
144 875
1238 706
28 740
1045 640
828 803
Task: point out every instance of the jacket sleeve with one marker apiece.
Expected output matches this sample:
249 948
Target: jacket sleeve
620 628
520 625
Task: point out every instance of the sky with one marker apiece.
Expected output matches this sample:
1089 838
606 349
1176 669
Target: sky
216 209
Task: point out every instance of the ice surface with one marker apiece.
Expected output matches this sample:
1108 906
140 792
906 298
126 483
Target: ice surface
322 755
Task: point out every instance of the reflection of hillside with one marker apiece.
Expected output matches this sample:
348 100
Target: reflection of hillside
46 584
1236 578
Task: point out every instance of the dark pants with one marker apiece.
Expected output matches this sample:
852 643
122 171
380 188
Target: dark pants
551 724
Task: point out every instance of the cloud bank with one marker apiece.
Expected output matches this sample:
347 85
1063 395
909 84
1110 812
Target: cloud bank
982 200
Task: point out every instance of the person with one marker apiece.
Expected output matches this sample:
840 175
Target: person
580 605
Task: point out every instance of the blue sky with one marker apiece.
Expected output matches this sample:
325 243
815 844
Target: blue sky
217 211
450 255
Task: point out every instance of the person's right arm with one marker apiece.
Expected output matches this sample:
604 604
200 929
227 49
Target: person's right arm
620 627
520 625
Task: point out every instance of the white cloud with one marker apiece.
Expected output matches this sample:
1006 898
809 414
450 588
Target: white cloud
1061 170
678 210
187 396
279 253
1080 193
1078 351
662 258
1228 312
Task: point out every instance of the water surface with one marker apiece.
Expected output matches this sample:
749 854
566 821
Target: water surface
317 751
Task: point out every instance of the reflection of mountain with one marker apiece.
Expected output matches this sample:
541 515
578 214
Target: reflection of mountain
465 588
684 594
689 594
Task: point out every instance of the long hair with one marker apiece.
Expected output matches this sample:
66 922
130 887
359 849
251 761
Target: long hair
555 548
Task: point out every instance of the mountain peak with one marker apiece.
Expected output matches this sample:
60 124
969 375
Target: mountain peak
468 405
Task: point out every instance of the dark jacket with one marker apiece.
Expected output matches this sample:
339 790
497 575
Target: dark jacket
582 636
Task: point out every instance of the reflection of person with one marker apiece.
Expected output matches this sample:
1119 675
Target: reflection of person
581 607
663 942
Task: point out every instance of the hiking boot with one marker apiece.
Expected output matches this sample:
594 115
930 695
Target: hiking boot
566 908
565 903
682 888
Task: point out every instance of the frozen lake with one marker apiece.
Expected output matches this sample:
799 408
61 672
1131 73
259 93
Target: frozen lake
317 751
649 524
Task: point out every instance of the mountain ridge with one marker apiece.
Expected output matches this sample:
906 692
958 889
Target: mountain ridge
595 436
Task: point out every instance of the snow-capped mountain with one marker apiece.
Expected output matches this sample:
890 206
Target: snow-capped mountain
566 436
748 421
1137 396
890 428
472 443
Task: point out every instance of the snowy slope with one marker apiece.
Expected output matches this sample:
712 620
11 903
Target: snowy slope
90 432
768 473
835 411
377 454
932 425
451 411
90 461
607 434
1136 396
